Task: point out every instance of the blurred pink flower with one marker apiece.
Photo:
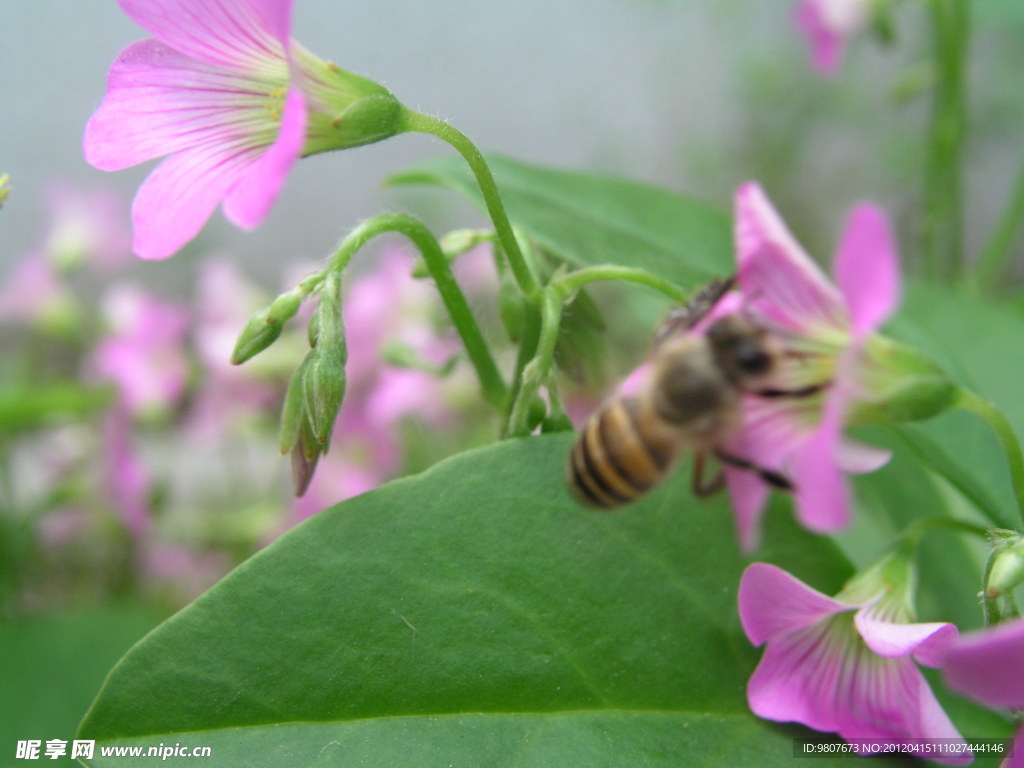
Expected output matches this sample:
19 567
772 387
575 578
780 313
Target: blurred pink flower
846 664
33 291
824 329
87 227
223 89
126 479
988 665
828 25
385 306
144 354
229 393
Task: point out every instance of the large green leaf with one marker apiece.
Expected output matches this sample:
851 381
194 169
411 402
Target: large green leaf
587 219
471 615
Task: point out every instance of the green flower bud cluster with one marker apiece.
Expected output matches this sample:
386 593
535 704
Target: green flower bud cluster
316 389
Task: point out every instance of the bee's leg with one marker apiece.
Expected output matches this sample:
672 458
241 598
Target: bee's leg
702 487
773 478
807 391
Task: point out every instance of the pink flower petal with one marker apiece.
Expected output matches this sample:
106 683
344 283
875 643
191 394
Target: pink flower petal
748 494
826 45
989 666
239 34
778 277
824 677
867 269
177 199
928 642
160 101
822 498
890 699
253 196
799 679
772 602
635 382
857 458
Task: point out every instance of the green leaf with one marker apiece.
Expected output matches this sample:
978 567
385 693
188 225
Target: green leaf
935 457
472 615
978 342
588 219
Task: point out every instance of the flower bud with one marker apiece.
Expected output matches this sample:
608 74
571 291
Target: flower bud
323 381
265 326
901 384
5 190
323 386
348 110
305 456
293 413
1006 567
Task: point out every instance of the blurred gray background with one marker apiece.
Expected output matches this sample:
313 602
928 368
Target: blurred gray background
694 96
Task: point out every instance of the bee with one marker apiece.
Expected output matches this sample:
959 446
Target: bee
691 401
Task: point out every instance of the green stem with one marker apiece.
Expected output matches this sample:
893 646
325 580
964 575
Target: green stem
918 528
942 233
540 370
528 339
994 255
979 406
574 280
415 121
491 382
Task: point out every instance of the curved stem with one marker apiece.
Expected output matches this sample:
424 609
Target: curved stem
491 382
574 280
979 406
918 528
415 121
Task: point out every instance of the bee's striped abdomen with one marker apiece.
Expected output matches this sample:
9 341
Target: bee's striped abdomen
617 456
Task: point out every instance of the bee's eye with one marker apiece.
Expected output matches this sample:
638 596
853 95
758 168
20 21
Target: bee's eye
751 358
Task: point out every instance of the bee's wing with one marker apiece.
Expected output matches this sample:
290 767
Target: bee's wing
682 319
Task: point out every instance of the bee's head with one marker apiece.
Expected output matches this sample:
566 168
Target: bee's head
742 349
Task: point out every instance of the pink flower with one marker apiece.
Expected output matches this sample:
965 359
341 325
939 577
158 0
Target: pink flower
825 330
34 292
828 25
126 479
230 393
87 227
145 353
224 91
844 665
989 666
